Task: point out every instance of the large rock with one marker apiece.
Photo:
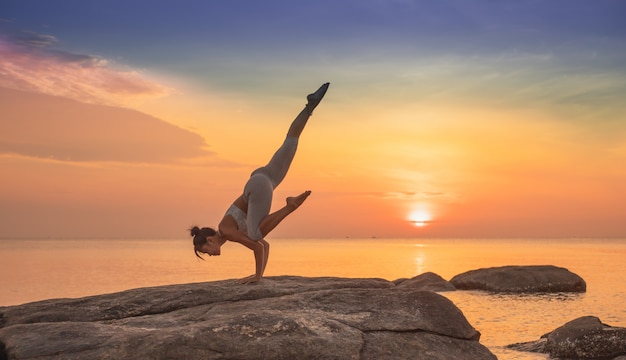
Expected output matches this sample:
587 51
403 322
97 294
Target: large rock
520 279
583 338
279 318
427 281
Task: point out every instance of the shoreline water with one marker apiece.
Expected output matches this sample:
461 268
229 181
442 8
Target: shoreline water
42 268
52 268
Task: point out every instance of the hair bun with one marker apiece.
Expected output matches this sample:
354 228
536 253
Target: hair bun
194 231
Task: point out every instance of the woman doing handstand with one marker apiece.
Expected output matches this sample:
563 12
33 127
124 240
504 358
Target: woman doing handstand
248 220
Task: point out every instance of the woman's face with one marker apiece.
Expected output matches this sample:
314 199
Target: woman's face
212 246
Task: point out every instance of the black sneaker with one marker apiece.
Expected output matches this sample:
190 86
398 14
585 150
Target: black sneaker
315 98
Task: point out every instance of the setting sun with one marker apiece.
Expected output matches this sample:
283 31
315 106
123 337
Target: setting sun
420 217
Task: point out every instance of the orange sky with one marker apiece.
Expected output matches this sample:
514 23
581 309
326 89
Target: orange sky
513 144
476 172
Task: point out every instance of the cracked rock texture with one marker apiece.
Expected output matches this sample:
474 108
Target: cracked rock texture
282 317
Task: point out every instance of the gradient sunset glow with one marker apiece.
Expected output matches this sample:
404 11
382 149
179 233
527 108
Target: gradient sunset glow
444 118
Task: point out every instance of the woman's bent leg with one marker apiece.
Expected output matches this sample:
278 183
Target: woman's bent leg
258 194
272 220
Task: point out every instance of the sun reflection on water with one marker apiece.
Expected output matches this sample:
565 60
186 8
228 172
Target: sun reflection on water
420 259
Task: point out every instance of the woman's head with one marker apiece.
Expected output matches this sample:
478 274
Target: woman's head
204 241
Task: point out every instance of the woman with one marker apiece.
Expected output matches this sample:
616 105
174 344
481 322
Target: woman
248 220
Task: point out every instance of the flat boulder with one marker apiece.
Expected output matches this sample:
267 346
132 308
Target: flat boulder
282 317
582 338
520 279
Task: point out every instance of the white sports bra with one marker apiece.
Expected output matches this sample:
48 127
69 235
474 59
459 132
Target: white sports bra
240 218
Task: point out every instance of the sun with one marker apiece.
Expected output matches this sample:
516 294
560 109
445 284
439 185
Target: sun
420 217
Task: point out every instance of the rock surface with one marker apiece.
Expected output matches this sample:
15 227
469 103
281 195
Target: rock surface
520 279
428 281
282 317
583 338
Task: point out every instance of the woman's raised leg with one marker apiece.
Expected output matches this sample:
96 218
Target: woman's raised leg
258 192
278 166
312 101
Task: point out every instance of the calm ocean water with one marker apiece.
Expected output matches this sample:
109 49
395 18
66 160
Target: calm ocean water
32 270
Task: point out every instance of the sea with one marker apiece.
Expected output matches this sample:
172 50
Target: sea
38 269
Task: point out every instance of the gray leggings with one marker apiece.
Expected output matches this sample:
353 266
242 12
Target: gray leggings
260 187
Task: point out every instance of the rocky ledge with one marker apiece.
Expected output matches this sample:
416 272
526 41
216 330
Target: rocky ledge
282 317
520 279
583 338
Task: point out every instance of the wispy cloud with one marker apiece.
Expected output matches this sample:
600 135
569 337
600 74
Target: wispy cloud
30 38
29 62
58 129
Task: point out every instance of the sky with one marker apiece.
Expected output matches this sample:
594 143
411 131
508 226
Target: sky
444 118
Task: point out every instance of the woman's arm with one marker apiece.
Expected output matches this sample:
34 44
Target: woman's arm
260 259
259 248
254 278
266 253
